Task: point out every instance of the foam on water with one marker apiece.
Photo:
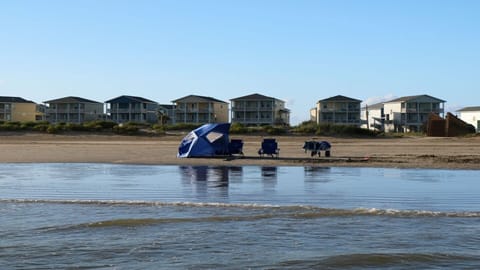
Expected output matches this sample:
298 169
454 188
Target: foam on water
292 211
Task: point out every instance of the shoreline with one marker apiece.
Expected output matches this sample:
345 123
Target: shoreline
406 152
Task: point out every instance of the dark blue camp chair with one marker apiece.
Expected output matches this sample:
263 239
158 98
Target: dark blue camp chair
316 147
269 147
235 147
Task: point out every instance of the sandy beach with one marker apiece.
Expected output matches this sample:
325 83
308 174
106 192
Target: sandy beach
406 152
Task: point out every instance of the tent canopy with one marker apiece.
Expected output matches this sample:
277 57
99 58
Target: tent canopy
205 141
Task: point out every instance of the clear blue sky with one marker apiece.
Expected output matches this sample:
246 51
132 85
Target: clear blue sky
297 51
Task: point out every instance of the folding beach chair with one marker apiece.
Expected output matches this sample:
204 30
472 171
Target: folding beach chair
269 147
235 147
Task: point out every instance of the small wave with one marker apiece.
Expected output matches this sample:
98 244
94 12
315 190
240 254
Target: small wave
293 211
399 260
145 203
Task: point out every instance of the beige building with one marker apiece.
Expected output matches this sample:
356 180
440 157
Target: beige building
17 109
258 109
199 110
337 110
73 110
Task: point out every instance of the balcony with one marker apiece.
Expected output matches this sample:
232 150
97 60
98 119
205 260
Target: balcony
252 120
422 110
251 108
115 110
194 110
63 111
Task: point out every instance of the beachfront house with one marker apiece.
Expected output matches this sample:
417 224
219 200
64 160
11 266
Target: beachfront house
125 109
471 115
256 109
337 110
373 117
410 113
73 110
17 109
194 109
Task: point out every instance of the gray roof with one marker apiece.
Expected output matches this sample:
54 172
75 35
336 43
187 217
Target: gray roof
470 109
409 98
205 98
14 100
255 96
71 99
129 99
340 98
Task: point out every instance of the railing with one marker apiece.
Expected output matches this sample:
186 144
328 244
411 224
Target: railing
337 110
251 108
340 121
73 111
438 111
252 120
194 110
421 110
114 110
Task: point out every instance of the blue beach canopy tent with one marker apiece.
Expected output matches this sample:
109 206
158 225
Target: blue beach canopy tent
206 141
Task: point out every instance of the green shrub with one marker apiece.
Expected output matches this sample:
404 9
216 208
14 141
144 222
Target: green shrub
72 127
105 125
312 128
275 130
237 128
11 126
53 129
41 127
343 130
307 127
159 129
126 129
182 126
28 125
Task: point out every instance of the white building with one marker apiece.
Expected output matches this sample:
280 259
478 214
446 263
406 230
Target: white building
373 117
410 113
471 115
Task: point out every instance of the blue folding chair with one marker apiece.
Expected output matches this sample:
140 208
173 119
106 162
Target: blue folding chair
235 147
269 147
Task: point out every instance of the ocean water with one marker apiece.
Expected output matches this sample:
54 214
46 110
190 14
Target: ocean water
104 216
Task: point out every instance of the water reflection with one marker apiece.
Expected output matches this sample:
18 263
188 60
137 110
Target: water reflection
219 174
317 174
269 173
222 173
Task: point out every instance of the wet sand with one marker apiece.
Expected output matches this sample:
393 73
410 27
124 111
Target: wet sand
405 152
